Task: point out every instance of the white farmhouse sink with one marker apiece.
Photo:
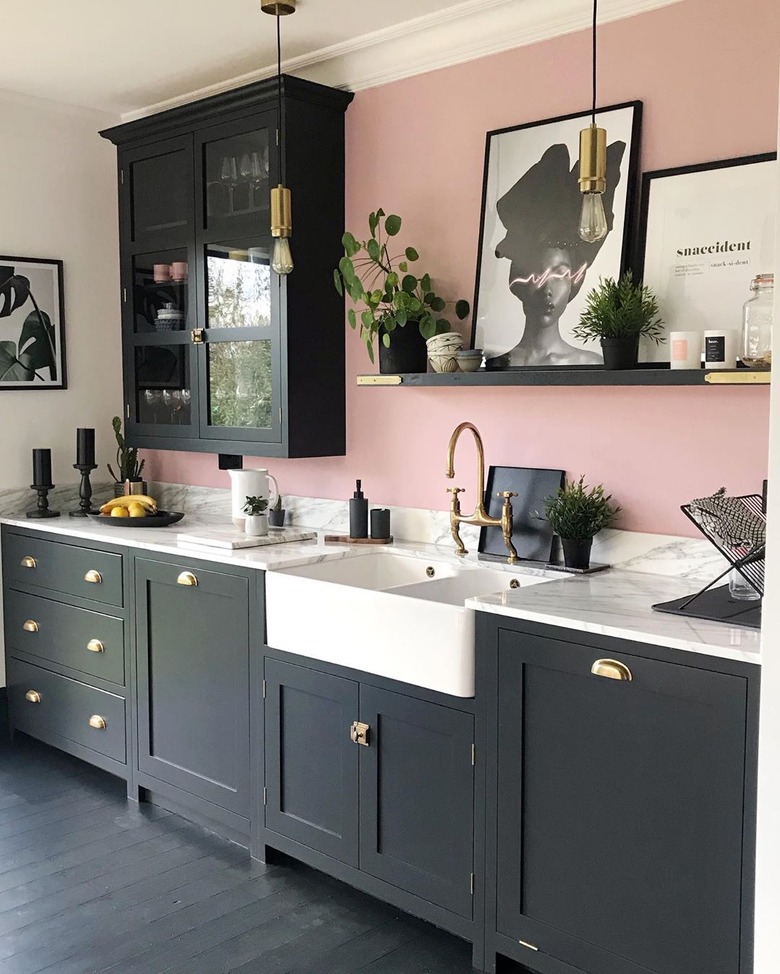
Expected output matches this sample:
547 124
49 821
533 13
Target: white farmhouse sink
383 612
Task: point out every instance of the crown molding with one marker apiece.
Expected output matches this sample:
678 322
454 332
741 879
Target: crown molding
463 32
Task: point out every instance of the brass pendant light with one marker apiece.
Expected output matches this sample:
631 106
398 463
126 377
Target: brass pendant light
593 165
281 198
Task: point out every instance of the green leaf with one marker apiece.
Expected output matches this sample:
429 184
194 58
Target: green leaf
36 343
386 340
347 269
374 298
351 246
356 291
352 318
462 309
337 282
409 283
427 326
392 225
370 348
373 222
403 267
437 303
373 249
367 317
389 323
411 254
401 317
391 280
11 369
414 305
442 326
425 282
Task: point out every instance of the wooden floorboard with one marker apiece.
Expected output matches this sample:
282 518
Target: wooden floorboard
92 884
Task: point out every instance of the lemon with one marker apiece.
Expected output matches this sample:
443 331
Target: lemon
136 510
119 512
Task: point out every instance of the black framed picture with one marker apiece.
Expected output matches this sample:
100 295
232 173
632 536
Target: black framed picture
533 269
705 232
32 330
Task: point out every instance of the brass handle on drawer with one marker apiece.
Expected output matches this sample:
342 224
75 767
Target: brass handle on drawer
187 578
95 646
94 577
612 669
31 626
32 696
28 562
97 722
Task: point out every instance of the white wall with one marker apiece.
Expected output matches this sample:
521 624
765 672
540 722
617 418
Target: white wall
58 200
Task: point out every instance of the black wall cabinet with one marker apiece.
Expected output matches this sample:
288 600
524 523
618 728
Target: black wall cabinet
220 354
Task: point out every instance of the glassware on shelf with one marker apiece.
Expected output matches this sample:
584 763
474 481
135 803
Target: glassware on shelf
153 400
229 176
741 589
259 162
757 315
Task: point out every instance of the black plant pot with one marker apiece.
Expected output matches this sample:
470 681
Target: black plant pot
576 552
620 353
276 518
407 353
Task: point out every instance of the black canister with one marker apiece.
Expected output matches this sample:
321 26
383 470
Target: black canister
380 523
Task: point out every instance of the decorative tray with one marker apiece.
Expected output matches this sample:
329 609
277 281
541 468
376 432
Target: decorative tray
159 520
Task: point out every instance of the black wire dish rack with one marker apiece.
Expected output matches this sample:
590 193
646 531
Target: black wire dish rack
739 537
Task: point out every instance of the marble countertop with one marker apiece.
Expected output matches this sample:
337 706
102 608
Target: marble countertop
618 603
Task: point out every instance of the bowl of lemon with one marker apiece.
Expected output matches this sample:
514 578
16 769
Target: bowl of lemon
135 511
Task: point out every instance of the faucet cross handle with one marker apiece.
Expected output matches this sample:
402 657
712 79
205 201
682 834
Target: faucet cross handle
506 494
456 490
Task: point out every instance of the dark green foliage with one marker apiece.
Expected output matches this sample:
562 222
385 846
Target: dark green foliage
620 309
126 457
255 506
577 511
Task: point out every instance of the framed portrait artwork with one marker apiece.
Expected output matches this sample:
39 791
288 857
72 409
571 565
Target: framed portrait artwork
533 269
32 334
705 232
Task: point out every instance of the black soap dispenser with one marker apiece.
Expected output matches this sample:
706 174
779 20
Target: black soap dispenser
358 513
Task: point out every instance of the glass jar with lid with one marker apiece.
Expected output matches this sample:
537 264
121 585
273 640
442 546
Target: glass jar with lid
757 323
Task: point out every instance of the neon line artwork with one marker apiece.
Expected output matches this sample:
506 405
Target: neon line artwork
539 280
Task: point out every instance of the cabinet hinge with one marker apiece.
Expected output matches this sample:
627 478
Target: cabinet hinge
472 884
524 943
124 295
122 176
264 689
277 136
265 796
473 755
127 410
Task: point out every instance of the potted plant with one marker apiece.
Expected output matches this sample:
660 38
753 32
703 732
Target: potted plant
256 521
400 307
576 514
127 479
619 313
276 513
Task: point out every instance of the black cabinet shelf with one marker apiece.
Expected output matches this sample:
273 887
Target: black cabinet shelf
572 377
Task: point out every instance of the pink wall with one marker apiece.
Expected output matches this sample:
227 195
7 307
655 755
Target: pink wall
707 72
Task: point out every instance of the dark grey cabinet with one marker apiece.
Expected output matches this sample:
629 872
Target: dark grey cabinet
397 803
220 354
620 843
192 642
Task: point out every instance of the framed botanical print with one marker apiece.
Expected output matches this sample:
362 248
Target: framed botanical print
705 232
32 334
533 269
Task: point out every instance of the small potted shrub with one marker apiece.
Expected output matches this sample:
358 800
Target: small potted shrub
127 479
256 520
619 313
400 307
576 514
276 514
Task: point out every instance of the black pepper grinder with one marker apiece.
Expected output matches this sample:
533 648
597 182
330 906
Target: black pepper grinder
358 513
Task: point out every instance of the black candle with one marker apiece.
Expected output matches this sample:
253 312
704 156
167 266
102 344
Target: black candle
85 447
42 468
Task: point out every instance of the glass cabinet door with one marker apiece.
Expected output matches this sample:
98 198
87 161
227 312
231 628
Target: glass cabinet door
158 184
240 372
163 388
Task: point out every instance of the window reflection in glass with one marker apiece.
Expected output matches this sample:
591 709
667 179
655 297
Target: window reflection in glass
239 287
240 384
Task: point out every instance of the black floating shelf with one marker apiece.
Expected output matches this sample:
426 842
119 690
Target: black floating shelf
652 376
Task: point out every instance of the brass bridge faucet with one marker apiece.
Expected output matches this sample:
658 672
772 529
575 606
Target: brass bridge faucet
480 515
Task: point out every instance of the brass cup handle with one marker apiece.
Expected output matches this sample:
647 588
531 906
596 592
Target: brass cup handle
32 696
31 626
95 646
95 578
97 722
187 578
28 562
611 669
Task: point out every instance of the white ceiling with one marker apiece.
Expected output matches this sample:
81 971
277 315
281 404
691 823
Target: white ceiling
126 56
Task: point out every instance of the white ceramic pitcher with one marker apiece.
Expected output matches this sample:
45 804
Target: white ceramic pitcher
250 483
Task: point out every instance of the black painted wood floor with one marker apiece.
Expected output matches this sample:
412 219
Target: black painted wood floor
90 883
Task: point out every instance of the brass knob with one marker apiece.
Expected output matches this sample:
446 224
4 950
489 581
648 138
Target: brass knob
187 578
514 583
95 646
506 494
456 490
31 626
32 696
94 577
611 669
28 562
430 571
97 722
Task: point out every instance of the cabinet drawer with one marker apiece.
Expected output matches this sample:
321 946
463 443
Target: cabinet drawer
43 701
66 568
87 641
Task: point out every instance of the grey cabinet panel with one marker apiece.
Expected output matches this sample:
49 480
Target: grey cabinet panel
64 707
311 763
65 568
193 681
417 797
67 635
620 810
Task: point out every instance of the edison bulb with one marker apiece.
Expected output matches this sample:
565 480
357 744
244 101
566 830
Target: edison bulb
282 261
593 219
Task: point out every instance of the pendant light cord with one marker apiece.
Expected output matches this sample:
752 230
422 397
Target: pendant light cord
279 93
595 24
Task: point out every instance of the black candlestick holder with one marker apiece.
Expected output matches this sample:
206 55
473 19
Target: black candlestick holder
42 510
85 490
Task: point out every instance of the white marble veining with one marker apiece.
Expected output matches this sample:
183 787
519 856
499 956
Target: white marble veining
233 538
619 604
